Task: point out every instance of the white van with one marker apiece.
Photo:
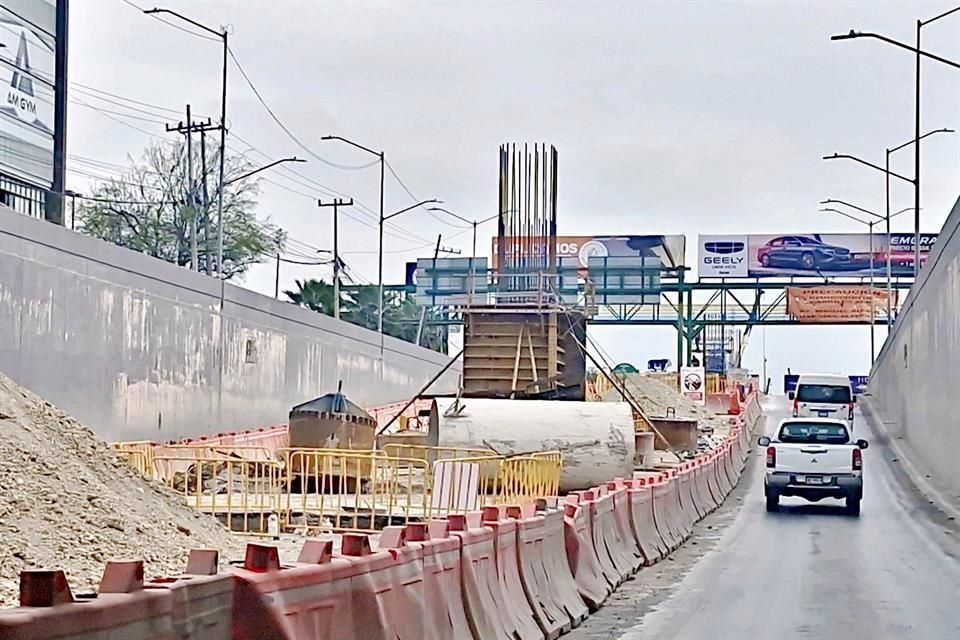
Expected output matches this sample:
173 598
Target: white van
823 396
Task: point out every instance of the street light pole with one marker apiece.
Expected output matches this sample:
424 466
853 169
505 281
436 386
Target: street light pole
223 122
918 52
916 168
383 162
380 256
889 248
873 309
383 220
473 253
887 219
223 155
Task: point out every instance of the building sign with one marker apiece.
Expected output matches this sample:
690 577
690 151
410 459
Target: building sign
838 304
27 70
669 249
693 384
785 255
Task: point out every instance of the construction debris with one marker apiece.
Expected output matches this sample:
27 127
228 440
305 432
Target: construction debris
657 400
67 502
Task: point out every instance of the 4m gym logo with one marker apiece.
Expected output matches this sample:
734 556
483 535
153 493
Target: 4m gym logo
21 98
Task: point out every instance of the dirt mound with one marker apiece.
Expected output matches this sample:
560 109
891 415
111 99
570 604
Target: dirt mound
67 502
655 397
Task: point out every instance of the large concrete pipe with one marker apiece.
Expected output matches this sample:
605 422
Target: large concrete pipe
596 438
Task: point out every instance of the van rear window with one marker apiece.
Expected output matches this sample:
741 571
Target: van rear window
823 393
810 432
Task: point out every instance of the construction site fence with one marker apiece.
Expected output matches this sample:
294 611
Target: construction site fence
715 382
317 490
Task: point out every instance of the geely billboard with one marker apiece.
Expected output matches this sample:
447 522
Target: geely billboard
818 254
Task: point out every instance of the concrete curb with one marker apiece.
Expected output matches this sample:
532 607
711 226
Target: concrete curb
912 471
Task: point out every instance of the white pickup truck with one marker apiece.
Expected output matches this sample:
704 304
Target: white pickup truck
813 458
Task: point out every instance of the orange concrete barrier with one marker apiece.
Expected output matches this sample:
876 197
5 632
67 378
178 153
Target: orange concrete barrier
651 544
202 600
663 516
519 612
701 494
121 610
389 601
725 468
681 505
482 596
698 500
558 571
704 473
445 617
739 451
309 600
582 556
599 506
625 539
531 541
713 478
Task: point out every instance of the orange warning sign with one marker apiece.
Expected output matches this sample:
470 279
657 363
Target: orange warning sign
837 303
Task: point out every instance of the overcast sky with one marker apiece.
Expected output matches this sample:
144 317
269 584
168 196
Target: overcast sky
696 117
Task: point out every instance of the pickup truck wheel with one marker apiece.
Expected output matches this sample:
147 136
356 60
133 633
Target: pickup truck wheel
853 505
773 501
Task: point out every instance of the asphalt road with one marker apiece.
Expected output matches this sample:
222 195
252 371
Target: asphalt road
811 571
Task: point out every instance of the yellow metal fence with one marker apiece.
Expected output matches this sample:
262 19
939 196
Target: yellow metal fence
343 490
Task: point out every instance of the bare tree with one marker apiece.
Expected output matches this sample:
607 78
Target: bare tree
150 207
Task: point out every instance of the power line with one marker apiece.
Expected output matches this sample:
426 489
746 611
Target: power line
284 127
89 90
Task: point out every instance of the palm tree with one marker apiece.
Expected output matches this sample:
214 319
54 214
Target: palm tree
401 314
312 294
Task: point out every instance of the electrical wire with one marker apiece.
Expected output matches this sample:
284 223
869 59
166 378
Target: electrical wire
287 131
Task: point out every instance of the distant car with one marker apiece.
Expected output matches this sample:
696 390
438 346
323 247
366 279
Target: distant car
813 459
802 252
824 395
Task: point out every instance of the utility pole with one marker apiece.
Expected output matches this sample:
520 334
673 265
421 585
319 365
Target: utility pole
206 202
336 204
276 282
436 254
188 129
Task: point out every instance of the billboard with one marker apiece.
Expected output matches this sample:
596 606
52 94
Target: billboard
669 249
27 72
819 254
450 281
837 303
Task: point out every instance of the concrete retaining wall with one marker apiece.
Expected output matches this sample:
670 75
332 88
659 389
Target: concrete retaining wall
915 380
140 349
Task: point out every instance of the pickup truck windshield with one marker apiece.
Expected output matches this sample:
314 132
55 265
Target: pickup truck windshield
823 393
810 432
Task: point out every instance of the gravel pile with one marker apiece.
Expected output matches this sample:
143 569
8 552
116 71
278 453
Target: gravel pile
67 502
655 397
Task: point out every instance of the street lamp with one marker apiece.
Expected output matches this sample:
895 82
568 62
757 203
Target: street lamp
474 223
380 155
916 186
473 253
887 218
870 223
223 123
916 138
383 219
914 181
263 168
